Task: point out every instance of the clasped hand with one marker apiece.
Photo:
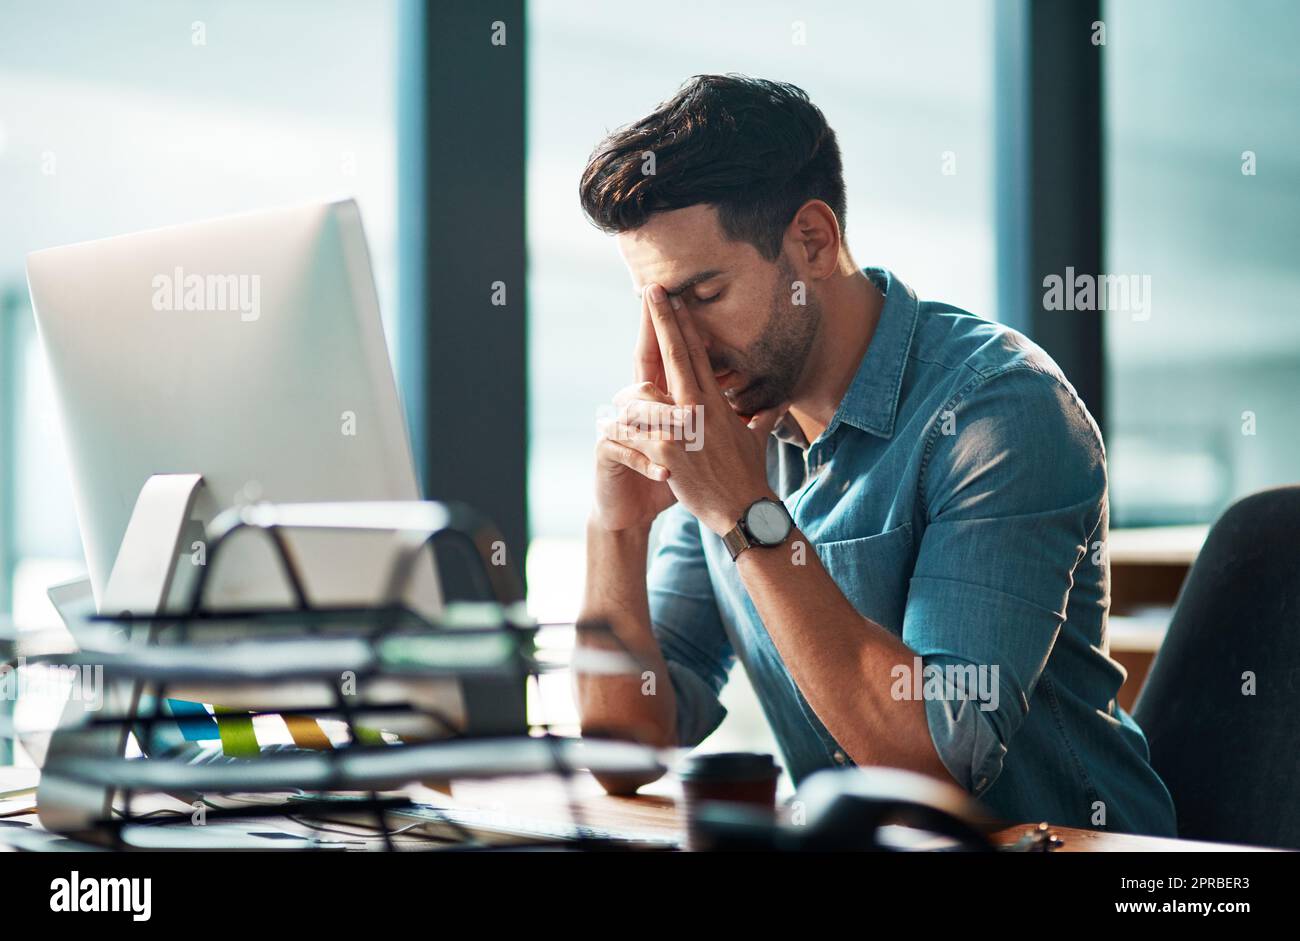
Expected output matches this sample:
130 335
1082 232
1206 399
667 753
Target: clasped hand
672 435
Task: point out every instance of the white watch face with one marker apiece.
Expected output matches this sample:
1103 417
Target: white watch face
767 522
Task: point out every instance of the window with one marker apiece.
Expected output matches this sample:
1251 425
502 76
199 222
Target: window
1203 151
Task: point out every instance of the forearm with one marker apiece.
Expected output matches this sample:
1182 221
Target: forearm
840 660
615 601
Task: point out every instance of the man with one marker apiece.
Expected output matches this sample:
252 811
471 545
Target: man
892 512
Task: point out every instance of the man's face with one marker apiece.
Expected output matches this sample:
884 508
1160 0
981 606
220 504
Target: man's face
757 338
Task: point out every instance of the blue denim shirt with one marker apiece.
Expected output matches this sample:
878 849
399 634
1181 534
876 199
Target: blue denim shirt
958 499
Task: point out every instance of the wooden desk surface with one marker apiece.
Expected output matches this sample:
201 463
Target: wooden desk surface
656 812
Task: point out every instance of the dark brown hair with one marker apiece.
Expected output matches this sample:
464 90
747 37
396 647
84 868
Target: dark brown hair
756 150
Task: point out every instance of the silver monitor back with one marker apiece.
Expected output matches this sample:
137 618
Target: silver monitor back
248 349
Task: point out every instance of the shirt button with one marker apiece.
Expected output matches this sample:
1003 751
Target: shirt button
840 757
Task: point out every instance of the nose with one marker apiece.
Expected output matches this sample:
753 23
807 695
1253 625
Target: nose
708 351
705 339
706 336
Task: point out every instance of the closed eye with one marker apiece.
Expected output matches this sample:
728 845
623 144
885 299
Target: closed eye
708 300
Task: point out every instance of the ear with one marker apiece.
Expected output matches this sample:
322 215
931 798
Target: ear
815 233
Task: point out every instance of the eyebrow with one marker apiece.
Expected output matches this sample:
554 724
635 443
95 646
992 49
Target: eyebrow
690 282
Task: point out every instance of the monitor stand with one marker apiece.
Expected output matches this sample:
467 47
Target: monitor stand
138 584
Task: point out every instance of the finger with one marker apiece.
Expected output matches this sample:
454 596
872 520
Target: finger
699 355
637 435
764 421
678 370
649 365
616 452
652 416
641 391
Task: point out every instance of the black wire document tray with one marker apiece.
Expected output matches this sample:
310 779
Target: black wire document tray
418 697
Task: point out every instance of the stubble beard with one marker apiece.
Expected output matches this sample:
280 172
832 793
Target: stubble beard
775 363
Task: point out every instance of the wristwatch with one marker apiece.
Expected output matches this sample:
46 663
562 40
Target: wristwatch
766 523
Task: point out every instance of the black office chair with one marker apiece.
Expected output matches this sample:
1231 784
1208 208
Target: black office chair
1230 760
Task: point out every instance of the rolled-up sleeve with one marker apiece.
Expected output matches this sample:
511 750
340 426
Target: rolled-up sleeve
686 623
1013 496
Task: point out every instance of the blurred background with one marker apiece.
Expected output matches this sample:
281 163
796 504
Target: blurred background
1170 149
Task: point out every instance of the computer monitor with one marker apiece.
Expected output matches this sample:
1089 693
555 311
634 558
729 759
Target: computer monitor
247 349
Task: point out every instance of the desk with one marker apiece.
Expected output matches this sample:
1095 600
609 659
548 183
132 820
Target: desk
550 800
657 812
1147 569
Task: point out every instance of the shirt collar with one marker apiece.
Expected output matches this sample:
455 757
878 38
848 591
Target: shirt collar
871 402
